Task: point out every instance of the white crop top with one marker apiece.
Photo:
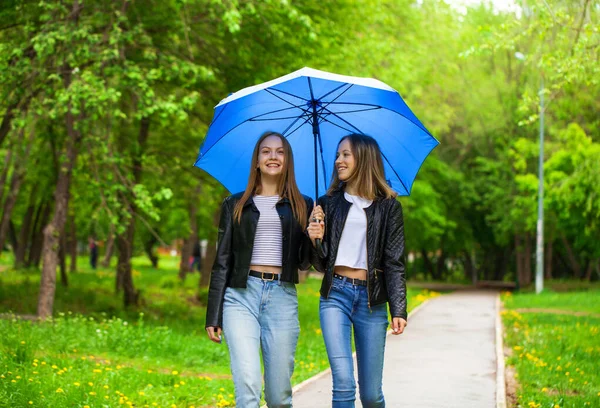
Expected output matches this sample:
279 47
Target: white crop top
267 246
352 251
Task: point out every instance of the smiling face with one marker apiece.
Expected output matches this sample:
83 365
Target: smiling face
345 161
271 157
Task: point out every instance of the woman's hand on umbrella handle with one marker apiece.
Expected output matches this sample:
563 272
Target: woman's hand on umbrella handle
316 227
316 230
214 333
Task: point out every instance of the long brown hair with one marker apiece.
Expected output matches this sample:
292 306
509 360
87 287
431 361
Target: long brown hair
286 187
368 175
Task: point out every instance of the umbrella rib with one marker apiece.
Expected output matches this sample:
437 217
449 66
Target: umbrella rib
390 110
302 124
343 120
265 120
394 171
286 93
359 110
275 111
335 124
284 100
293 123
333 100
333 90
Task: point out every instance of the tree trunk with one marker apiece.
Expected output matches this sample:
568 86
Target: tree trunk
548 260
63 260
501 264
125 241
572 259
519 260
589 270
148 246
5 126
24 235
54 229
124 275
189 242
72 244
37 235
527 260
470 272
207 263
440 267
427 263
12 236
15 184
4 173
108 249
186 253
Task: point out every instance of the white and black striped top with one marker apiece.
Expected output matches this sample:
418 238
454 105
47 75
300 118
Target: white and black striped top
267 241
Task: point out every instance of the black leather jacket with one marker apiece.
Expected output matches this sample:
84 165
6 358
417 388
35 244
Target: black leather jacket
234 250
386 278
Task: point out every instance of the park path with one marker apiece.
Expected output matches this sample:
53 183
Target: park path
446 358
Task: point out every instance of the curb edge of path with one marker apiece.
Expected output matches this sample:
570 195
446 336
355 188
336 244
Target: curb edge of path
500 379
323 373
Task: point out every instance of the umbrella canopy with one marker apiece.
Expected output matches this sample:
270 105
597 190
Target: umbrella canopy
314 109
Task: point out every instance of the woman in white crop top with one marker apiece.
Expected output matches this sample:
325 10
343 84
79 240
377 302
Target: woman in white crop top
252 295
362 258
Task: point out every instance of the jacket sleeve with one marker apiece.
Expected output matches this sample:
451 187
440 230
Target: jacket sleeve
393 261
318 256
306 247
222 267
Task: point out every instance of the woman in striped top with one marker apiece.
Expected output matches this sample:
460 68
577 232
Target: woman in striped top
252 295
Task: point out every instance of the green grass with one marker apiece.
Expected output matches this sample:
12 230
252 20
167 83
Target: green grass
584 301
94 353
555 355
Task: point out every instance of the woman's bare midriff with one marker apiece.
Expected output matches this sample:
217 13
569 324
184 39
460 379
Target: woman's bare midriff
266 268
351 272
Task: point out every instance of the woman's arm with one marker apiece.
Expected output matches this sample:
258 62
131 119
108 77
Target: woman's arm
393 261
221 268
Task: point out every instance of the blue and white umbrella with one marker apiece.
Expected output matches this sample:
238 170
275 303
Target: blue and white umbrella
314 109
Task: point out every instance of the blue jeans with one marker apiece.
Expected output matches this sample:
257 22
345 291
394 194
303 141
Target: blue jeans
345 309
262 317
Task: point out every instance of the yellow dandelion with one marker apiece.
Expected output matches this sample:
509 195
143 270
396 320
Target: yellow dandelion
141 393
60 390
92 393
91 384
30 402
105 387
76 384
174 372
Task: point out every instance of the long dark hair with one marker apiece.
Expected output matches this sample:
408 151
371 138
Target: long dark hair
286 188
368 175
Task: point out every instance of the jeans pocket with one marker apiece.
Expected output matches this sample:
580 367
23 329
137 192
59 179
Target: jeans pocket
289 288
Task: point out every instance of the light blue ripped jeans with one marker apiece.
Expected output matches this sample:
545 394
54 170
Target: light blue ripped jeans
262 317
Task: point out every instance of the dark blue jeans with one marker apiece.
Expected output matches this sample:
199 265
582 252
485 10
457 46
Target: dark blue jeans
344 310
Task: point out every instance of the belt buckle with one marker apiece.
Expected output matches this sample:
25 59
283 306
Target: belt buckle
268 280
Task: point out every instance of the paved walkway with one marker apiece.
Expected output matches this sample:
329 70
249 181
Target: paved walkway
446 358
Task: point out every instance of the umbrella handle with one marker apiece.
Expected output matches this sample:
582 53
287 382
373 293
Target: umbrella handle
318 245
